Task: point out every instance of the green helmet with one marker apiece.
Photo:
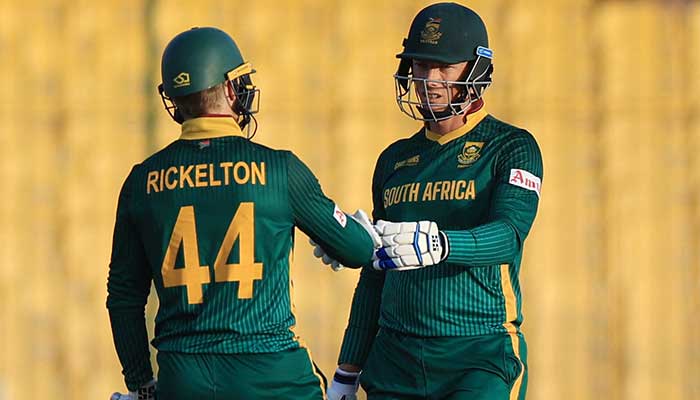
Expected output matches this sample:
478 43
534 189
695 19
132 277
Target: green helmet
199 59
445 33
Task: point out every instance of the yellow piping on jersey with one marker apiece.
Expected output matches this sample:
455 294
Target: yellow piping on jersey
209 128
508 294
512 315
515 341
472 121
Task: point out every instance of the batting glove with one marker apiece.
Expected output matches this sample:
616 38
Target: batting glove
409 245
344 385
325 258
145 392
361 218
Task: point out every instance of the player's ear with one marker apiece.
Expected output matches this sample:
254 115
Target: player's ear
230 93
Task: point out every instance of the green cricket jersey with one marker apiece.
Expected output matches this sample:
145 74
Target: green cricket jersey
210 221
481 184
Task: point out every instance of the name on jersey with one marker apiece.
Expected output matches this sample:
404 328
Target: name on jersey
206 175
430 191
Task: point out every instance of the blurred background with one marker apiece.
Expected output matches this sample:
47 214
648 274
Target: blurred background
610 89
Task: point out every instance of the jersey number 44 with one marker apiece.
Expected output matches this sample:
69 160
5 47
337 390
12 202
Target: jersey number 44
193 275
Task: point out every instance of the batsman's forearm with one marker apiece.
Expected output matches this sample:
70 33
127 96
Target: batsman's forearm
349 244
364 318
488 244
131 342
316 215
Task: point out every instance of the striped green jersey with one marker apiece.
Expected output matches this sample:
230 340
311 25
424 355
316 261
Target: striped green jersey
210 221
481 184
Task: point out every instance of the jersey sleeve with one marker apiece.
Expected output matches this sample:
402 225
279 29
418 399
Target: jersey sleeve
320 218
518 180
366 303
128 285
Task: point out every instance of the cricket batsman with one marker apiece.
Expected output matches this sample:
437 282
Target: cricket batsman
209 220
438 315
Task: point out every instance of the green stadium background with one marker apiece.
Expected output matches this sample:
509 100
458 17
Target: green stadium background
610 89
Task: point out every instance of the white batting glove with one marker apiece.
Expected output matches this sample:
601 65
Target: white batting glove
409 245
344 385
145 392
325 258
361 218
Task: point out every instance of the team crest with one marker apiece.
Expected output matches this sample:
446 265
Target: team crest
182 79
470 154
431 33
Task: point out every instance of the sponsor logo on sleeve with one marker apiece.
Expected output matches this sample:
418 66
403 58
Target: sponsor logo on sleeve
340 216
525 180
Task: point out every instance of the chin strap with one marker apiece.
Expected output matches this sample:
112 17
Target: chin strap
251 118
475 106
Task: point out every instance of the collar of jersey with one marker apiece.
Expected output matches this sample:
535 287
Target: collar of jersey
472 121
209 128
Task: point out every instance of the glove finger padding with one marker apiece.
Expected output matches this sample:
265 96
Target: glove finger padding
333 263
405 238
337 266
385 228
409 245
325 258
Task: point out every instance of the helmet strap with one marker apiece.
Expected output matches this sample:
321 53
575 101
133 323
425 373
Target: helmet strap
170 106
244 90
254 128
479 77
404 70
431 115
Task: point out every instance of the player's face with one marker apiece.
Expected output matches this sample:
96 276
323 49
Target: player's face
435 92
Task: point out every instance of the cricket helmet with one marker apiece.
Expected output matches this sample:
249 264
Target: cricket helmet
444 33
201 58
